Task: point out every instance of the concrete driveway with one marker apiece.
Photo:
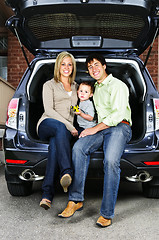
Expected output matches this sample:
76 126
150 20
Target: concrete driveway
21 218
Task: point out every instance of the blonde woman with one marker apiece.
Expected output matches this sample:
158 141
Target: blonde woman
56 124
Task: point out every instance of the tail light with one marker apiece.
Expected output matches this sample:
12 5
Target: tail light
152 163
12 113
16 161
156 111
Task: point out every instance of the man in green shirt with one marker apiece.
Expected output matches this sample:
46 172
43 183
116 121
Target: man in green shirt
111 99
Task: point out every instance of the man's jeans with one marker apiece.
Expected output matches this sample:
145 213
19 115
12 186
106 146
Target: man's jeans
59 152
114 140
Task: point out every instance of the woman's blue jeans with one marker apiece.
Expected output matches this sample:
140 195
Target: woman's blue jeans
59 153
114 140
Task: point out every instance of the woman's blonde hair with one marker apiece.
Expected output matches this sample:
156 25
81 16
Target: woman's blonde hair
59 59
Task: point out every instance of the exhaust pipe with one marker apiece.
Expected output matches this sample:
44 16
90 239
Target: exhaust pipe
29 175
145 177
141 176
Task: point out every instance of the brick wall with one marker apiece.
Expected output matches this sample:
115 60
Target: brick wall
153 62
17 64
16 61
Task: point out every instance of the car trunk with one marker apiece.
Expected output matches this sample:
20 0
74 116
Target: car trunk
126 70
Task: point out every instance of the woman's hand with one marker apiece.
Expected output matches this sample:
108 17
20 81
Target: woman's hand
74 132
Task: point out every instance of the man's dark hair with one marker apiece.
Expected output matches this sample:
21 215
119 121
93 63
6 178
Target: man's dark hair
97 56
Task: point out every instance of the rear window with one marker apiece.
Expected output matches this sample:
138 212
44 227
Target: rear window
65 25
87 20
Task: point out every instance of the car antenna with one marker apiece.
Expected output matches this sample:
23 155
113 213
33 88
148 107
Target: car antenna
25 56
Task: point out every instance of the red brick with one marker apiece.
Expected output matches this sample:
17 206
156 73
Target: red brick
17 64
16 61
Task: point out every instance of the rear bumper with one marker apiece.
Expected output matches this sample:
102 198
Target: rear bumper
36 154
131 163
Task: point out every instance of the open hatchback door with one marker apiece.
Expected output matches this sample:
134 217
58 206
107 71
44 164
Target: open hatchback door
109 25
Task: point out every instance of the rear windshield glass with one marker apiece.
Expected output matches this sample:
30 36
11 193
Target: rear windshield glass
87 21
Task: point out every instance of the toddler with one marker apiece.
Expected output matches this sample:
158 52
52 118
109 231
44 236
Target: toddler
86 112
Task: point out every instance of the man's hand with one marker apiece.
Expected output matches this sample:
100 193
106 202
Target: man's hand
93 130
88 131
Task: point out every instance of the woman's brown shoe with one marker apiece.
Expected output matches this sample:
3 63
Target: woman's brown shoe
65 181
103 222
45 203
71 208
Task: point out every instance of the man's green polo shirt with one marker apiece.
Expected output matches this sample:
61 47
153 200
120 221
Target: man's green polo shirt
111 99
